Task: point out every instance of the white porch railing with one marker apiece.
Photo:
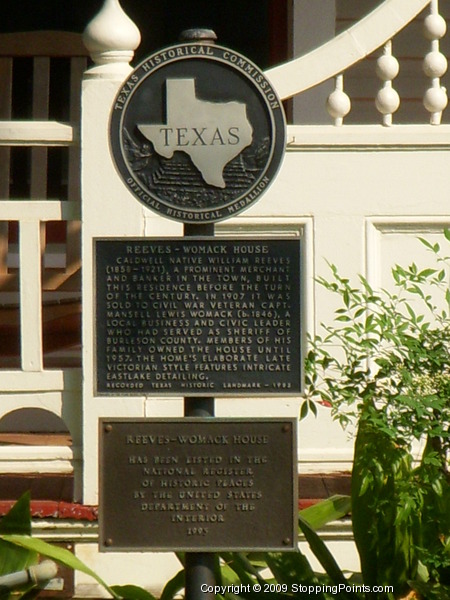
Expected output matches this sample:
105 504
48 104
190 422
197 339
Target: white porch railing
29 276
375 32
30 215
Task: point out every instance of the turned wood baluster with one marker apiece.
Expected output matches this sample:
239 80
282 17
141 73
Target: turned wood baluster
387 100
435 64
338 103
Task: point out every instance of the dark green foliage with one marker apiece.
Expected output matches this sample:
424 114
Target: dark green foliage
384 364
132 592
19 550
277 573
14 558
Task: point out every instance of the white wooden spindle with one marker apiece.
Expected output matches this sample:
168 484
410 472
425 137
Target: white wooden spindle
435 64
30 295
111 38
387 100
338 103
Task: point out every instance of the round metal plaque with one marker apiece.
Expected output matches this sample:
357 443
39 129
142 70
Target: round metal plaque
197 133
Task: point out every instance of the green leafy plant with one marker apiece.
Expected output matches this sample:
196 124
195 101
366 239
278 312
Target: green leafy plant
384 364
281 575
15 558
19 551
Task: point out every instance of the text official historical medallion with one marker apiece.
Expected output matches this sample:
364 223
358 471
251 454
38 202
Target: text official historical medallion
197 133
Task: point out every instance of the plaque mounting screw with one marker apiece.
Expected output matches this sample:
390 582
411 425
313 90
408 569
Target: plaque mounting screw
286 541
108 428
286 428
108 542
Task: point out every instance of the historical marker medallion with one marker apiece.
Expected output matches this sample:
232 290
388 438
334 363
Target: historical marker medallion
198 484
197 133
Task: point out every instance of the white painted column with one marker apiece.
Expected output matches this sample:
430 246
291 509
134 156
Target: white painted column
107 208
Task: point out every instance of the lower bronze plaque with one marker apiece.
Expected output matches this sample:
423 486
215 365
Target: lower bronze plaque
198 484
198 316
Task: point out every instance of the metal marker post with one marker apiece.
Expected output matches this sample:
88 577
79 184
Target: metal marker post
199 566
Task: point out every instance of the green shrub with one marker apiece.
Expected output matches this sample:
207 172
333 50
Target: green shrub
384 364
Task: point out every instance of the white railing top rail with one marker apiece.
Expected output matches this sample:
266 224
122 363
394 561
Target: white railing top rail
37 133
337 55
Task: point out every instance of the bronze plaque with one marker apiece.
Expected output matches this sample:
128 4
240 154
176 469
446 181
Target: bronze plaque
198 484
197 133
192 316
